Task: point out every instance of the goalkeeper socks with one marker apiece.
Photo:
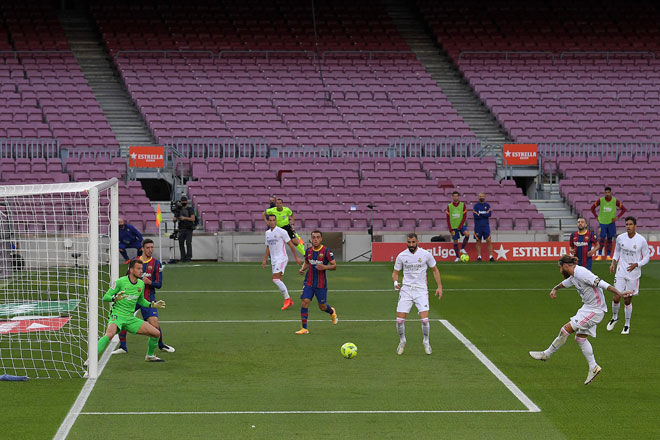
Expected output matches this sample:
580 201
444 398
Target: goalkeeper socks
426 329
329 310
465 240
304 313
151 347
122 339
280 285
160 340
103 342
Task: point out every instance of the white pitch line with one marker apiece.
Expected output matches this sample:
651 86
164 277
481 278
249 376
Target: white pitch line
78 405
531 406
175 413
351 290
269 321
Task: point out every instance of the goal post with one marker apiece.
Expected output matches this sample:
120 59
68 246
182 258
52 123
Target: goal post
58 256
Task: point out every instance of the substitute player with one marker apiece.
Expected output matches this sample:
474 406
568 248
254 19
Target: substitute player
584 323
414 289
630 254
152 276
607 218
285 220
276 241
583 244
318 259
124 294
457 223
481 212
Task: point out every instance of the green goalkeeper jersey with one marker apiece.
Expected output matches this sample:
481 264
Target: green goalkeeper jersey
134 294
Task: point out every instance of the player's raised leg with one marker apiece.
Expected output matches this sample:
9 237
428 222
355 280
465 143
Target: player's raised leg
559 341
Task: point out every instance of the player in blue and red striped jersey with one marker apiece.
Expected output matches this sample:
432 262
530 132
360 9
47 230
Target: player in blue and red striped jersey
318 260
152 276
583 244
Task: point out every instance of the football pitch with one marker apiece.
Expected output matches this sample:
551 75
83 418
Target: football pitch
240 370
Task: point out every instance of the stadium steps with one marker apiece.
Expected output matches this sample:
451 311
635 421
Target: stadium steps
558 216
124 118
435 60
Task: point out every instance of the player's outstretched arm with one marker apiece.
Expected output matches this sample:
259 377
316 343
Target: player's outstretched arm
553 292
295 252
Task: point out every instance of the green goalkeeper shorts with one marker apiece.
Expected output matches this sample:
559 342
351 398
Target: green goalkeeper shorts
129 323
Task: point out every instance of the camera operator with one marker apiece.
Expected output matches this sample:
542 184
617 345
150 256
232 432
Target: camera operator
186 218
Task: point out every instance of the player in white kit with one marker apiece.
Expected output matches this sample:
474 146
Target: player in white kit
414 289
630 254
276 241
584 323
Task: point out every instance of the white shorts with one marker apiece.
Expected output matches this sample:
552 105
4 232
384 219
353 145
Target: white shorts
279 266
585 322
625 284
412 295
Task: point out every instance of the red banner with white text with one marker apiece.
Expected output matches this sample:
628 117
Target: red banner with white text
511 251
146 157
519 154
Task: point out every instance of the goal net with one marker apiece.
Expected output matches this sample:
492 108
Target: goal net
58 253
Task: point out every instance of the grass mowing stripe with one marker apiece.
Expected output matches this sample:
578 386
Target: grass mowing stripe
183 413
346 290
491 366
78 405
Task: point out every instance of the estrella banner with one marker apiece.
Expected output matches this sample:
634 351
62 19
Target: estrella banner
520 154
505 251
146 157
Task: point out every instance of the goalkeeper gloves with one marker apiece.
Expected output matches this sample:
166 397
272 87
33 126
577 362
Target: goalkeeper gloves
160 304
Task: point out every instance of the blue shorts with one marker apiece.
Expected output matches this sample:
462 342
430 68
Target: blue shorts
482 233
309 292
608 231
147 312
458 232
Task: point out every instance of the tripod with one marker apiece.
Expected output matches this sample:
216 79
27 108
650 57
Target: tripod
370 231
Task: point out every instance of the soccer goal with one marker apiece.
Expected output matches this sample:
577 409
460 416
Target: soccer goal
58 254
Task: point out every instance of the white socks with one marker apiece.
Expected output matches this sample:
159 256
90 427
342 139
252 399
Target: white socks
615 310
280 285
558 342
401 328
426 329
587 351
628 313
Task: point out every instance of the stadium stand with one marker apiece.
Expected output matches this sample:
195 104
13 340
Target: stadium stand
558 71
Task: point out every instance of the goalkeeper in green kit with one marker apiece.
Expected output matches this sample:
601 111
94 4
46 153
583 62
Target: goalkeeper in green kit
123 294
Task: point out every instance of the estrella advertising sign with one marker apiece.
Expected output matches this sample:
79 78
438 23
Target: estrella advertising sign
511 251
146 157
520 154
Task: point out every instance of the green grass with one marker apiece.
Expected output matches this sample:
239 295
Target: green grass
502 308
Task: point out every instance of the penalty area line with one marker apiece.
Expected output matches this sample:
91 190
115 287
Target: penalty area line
531 406
78 405
185 413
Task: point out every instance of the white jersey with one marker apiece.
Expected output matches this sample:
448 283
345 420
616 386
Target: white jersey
414 267
276 241
586 284
630 250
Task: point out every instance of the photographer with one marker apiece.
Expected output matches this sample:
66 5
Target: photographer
186 218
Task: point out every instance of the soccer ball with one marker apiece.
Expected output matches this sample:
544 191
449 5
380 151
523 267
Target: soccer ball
349 350
465 258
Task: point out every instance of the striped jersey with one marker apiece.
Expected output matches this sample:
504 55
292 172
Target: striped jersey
317 278
152 270
583 243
